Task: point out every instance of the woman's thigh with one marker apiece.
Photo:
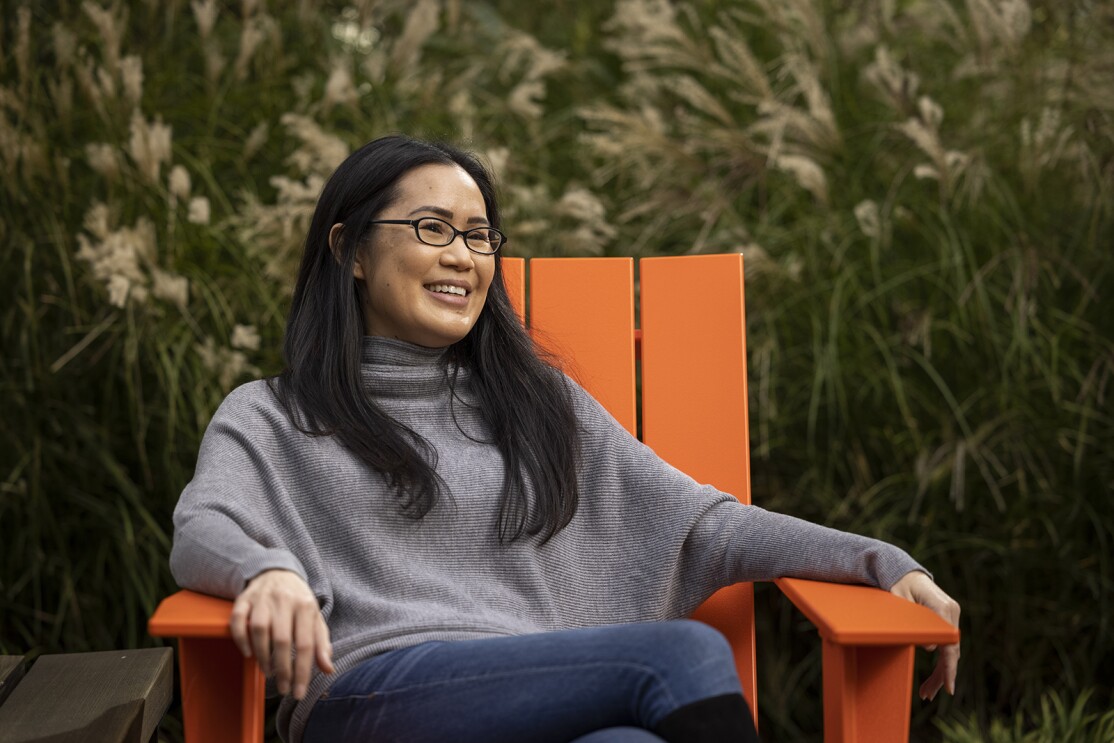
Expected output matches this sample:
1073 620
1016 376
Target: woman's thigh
553 686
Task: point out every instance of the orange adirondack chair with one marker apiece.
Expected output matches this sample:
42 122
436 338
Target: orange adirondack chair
692 347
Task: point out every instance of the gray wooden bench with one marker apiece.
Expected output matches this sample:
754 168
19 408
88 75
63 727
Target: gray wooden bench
116 696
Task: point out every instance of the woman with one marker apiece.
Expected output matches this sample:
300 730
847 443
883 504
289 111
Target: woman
431 534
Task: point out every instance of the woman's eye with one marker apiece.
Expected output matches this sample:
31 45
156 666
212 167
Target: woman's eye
431 226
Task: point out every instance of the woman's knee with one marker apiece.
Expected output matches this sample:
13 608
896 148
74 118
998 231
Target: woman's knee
692 660
695 642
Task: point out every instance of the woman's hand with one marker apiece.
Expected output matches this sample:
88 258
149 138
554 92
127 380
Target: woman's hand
277 611
917 587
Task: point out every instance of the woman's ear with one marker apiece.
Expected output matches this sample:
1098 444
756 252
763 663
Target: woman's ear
334 241
334 245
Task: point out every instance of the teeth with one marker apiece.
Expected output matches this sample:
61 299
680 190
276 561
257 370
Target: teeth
446 289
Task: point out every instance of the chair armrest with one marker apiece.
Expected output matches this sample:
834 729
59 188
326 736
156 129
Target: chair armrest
869 636
222 691
191 614
861 615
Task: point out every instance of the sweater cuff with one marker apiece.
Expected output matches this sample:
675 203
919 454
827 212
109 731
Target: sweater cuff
268 559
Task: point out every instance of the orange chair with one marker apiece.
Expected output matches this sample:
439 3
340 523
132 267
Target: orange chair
692 348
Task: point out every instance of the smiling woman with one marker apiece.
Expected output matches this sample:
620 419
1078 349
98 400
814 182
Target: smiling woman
431 534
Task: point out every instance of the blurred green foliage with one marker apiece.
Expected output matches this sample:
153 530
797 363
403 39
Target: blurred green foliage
923 190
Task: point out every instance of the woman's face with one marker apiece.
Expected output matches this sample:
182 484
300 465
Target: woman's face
413 289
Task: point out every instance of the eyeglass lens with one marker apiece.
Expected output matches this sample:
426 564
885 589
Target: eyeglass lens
434 231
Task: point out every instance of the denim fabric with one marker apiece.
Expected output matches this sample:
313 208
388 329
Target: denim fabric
591 684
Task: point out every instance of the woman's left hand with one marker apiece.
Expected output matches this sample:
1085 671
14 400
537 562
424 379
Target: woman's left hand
917 587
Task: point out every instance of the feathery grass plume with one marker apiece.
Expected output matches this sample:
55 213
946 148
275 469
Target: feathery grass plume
423 20
592 232
61 94
463 110
497 159
131 75
256 139
205 14
89 82
23 157
252 34
320 152
245 337
117 256
149 145
1043 146
947 165
339 89
170 287
228 364
274 232
22 51
64 43
104 159
198 212
898 85
178 184
999 22
215 61
110 24
736 62
868 219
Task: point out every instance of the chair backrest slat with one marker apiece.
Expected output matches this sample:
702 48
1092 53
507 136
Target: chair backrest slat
694 367
582 310
514 278
694 404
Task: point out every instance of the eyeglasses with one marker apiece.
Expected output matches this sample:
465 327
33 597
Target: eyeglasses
439 233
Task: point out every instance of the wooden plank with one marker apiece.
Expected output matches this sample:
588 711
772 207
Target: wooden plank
694 404
582 311
694 383
11 671
514 279
90 696
862 615
191 614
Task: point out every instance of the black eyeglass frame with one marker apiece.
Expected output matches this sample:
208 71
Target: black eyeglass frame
417 233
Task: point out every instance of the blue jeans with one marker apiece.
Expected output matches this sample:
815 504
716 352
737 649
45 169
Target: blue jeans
595 685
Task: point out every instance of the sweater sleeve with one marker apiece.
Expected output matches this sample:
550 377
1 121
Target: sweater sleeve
714 540
235 519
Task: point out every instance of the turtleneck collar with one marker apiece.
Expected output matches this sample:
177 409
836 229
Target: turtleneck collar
391 352
397 369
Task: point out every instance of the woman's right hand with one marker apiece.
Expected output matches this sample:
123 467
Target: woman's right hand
275 612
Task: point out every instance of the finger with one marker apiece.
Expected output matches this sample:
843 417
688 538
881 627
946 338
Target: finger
324 646
238 625
931 686
282 635
304 650
259 626
949 659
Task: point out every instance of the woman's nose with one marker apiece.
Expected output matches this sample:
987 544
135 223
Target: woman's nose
457 253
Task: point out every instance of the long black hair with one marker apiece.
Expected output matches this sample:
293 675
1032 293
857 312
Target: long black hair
524 400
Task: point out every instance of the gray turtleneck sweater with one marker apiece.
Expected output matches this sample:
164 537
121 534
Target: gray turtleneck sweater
647 543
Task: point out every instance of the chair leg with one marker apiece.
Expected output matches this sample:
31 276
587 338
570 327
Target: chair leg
222 692
868 691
